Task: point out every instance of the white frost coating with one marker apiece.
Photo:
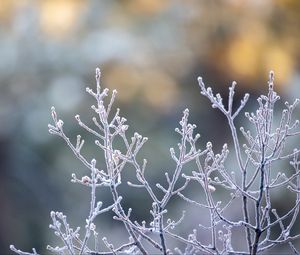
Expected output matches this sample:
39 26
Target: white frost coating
249 184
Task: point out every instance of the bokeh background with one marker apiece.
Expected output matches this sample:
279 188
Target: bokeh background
151 51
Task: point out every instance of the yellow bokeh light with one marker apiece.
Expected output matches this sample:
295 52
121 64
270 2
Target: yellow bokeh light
280 61
58 17
6 9
160 90
125 79
243 56
147 7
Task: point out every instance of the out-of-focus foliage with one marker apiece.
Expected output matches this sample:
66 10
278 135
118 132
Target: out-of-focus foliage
151 51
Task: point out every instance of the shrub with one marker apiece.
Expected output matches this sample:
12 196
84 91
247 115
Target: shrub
252 186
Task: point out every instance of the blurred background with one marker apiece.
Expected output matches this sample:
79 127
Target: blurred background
151 51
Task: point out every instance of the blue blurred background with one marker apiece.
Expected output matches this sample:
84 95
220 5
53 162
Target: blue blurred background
151 51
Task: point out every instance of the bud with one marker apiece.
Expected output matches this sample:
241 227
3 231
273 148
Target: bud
85 179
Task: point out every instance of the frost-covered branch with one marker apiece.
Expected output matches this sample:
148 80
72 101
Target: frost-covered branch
251 185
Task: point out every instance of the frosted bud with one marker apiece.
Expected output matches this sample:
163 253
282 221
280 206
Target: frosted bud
129 211
93 162
85 179
271 76
51 127
59 124
53 110
211 188
105 91
98 73
209 145
95 108
172 151
246 97
59 214
88 90
124 128
92 227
